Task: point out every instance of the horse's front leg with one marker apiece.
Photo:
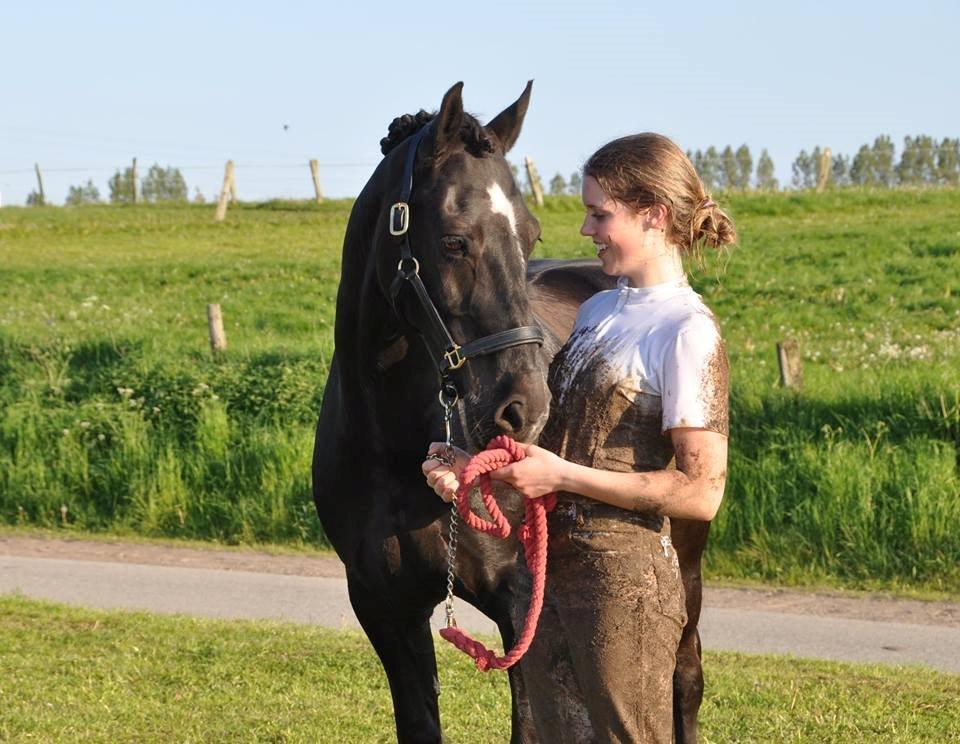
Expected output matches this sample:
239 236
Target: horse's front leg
522 730
506 605
689 539
401 636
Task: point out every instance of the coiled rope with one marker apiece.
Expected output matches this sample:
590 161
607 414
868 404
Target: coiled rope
503 451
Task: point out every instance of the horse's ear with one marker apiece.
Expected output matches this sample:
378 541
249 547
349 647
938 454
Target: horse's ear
507 124
449 120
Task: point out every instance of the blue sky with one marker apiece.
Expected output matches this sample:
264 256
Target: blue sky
88 86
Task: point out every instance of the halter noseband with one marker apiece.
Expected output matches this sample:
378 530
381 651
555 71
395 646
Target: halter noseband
446 353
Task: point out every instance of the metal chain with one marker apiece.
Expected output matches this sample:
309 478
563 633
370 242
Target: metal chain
449 402
451 560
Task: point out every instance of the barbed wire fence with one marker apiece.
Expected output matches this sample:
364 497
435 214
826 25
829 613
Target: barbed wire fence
296 180
260 180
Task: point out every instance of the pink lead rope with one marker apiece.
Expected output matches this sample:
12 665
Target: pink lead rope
503 451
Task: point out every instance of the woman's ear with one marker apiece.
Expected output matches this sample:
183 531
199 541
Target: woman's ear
658 217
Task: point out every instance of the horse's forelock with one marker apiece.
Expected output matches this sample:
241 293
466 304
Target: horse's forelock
475 138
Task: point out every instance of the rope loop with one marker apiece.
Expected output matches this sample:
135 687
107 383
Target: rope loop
501 451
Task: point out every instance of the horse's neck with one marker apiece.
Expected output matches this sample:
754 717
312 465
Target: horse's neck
385 370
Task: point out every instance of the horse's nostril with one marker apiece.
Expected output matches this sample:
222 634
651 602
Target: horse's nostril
510 417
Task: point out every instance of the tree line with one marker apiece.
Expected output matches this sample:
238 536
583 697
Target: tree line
923 162
158 185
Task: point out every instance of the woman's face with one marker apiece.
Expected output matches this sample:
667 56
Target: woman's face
625 240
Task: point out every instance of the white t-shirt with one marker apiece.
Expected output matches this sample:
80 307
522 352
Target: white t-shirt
659 341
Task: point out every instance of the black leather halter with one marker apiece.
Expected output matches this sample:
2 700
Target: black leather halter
446 353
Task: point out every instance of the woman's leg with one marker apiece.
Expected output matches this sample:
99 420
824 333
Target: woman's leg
618 599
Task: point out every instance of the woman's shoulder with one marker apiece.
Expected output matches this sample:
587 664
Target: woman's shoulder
687 313
597 304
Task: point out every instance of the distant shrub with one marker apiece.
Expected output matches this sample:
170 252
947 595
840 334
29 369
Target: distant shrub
121 187
159 185
84 194
164 185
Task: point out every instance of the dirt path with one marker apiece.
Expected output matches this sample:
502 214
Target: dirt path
855 606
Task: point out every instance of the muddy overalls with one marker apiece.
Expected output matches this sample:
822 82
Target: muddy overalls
602 662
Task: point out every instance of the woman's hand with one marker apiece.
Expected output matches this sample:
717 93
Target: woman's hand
442 478
539 473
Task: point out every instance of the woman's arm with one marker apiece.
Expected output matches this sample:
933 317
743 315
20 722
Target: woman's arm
692 491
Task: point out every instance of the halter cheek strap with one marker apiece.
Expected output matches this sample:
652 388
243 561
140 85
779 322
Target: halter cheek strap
447 354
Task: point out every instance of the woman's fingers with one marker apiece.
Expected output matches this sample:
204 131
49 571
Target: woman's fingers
436 448
503 474
441 472
443 482
446 487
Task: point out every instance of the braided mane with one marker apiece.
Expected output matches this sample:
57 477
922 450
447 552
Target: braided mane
474 136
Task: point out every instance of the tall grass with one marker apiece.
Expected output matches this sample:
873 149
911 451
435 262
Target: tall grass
111 405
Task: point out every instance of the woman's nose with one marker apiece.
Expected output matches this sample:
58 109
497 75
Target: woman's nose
584 229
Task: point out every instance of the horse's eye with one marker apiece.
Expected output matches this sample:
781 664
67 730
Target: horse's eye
454 244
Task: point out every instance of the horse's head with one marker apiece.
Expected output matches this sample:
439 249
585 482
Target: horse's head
471 235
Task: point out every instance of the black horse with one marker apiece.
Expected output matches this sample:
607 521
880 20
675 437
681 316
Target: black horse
442 210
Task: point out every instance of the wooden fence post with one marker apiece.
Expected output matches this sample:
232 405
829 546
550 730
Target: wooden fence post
136 184
315 174
43 198
791 369
218 337
226 191
534 178
826 164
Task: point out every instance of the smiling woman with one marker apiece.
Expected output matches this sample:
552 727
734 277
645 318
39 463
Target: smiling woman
641 382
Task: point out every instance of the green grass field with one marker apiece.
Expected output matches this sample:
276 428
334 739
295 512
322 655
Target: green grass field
85 675
111 405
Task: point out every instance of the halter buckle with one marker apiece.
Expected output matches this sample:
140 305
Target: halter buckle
399 218
453 358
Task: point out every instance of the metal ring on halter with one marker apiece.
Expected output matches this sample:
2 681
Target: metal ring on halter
416 267
448 396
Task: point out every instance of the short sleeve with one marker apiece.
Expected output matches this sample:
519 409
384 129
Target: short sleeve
694 379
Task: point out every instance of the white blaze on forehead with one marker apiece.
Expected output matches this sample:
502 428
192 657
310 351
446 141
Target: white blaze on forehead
450 201
501 205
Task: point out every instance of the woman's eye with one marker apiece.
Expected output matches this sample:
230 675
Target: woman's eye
454 244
